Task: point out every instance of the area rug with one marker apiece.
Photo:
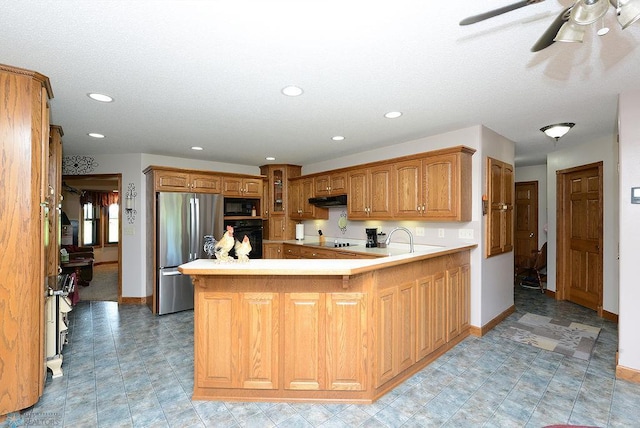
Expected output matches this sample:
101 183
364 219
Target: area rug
103 285
562 336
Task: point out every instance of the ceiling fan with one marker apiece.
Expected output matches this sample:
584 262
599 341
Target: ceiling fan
570 24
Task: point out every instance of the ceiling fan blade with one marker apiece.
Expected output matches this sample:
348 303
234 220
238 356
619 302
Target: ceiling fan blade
547 37
496 12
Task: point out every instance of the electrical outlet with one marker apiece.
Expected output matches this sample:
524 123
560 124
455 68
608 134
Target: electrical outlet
465 233
129 230
440 233
419 231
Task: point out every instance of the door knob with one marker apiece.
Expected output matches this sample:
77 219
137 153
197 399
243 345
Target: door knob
531 235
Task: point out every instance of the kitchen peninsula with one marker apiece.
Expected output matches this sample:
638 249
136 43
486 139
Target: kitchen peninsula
329 330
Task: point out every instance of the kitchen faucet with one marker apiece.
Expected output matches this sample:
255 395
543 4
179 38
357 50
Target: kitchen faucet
388 240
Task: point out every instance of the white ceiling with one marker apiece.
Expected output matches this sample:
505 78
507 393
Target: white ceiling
209 73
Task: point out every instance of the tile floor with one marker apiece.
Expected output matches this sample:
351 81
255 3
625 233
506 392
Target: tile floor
125 367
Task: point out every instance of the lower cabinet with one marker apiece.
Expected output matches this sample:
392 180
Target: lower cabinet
241 329
325 324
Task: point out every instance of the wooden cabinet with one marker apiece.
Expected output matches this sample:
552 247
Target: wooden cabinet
272 250
300 190
54 205
246 348
279 225
175 180
247 187
293 251
395 309
436 187
330 184
500 199
319 324
457 300
24 132
369 191
430 314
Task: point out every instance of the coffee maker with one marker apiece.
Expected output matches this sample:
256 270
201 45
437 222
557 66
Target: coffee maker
372 238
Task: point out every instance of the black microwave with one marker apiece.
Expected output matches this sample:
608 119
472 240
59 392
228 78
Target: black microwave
240 207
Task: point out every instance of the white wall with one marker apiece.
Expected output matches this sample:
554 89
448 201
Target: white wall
497 271
602 150
537 173
629 316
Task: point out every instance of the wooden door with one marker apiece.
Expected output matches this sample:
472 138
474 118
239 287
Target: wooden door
526 221
580 236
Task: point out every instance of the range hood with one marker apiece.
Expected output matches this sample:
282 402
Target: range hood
329 201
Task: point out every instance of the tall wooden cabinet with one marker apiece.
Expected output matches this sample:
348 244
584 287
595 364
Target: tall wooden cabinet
500 199
278 223
24 135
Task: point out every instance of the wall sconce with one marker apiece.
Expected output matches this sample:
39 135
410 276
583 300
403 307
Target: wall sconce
557 130
130 203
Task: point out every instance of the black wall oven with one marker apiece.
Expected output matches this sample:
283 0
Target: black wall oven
251 228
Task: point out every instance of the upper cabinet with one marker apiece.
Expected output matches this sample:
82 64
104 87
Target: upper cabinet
300 190
178 180
434 187
247 187
369 191
500 194
278 225
330 184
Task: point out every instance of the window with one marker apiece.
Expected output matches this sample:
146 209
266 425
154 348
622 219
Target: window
113 212
90 224
100 225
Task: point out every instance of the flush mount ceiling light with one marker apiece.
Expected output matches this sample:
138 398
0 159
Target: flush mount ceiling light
393 114
292 91
270 158
557 130
337 138
95 135
198 148
100 97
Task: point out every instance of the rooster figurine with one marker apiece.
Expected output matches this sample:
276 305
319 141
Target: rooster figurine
243 249
224 245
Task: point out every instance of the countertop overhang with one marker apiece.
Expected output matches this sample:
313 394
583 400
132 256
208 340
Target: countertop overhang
329 267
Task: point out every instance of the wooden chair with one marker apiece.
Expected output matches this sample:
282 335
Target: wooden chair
531 273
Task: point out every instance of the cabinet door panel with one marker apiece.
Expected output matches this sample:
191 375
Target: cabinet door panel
304 341
438 297
346 341
357 200
217 338
259 341
380 191
252 187
176 181
406 322
453 303
206 183
441 182
386 302
407 178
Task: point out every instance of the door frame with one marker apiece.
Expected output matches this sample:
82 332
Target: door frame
562 219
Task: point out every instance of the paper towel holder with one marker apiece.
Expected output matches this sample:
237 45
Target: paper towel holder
299 232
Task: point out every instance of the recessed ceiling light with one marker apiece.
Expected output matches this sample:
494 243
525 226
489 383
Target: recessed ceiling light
270 158
100 97
95 135
337 138
393 114
196 148
292 91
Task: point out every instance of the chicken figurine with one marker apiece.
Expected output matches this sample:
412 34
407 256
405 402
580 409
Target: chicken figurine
224 245
243 249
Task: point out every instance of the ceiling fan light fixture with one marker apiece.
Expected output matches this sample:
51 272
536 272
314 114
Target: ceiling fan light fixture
570 32
627 12
587 12
557 130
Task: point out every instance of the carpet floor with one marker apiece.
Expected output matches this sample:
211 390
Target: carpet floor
103 286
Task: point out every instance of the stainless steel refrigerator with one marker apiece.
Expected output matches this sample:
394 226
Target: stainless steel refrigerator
183 220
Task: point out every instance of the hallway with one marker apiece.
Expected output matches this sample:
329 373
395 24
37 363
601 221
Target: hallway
125 367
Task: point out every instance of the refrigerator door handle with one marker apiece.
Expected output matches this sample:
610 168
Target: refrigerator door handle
196 230
171 273
192 214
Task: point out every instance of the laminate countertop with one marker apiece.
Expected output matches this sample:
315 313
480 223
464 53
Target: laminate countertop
394 255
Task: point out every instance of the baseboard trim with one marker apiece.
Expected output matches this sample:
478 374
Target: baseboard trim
625 373
481 331
133 300
610 316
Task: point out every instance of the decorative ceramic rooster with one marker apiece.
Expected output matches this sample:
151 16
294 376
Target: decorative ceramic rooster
243 249
224 245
